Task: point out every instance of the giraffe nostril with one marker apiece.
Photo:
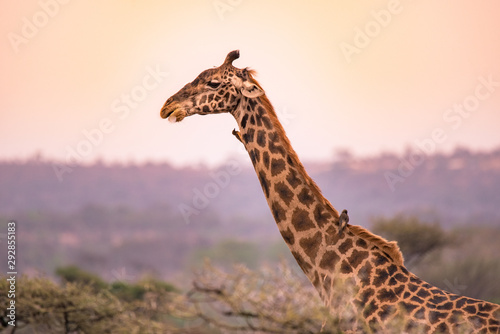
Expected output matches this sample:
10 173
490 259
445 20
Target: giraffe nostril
169 102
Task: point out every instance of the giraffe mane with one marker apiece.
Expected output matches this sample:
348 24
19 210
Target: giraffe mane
292 155
391 248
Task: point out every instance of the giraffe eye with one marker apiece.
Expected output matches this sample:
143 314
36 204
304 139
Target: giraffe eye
213 84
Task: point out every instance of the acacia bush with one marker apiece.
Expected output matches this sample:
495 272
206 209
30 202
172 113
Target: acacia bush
415 237
233 301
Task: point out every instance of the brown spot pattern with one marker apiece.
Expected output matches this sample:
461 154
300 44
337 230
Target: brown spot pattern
288 236
261 138
345 246
264 183
277 166
249 135
283 192
305 197
311 245
301 220
321 216
292 178
329 260
357 257
278 212
265 159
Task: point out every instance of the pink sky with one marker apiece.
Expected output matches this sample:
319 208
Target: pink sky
367 76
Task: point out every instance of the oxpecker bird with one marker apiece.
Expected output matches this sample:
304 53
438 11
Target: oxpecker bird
343 220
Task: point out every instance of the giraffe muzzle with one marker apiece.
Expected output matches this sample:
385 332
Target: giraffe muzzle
173 112
167 109
165 113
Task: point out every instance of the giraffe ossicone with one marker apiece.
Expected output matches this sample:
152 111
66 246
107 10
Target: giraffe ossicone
329 250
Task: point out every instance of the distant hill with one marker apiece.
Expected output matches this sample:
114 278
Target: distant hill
453 187
124 221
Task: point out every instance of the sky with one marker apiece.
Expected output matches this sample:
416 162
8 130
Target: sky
85 80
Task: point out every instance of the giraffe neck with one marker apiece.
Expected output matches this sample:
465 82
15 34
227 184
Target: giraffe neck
380 292
305 219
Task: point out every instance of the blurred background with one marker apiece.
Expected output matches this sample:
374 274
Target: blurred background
367 77
393 106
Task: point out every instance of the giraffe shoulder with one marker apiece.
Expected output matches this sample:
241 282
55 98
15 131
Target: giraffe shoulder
390 247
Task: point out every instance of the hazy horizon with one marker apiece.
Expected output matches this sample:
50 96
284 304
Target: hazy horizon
340 155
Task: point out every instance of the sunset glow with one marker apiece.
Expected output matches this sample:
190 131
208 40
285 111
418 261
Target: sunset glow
90 77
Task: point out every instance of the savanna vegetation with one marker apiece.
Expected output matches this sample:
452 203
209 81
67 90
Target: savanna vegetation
225 296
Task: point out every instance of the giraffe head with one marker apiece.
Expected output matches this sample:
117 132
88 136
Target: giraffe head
214 91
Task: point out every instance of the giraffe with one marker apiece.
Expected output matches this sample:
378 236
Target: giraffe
328 249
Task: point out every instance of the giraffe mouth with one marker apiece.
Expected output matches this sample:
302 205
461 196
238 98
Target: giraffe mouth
174 113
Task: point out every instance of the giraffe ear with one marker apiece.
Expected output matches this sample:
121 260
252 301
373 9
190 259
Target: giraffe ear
251 90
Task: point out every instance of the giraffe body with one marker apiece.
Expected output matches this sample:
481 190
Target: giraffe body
331 252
